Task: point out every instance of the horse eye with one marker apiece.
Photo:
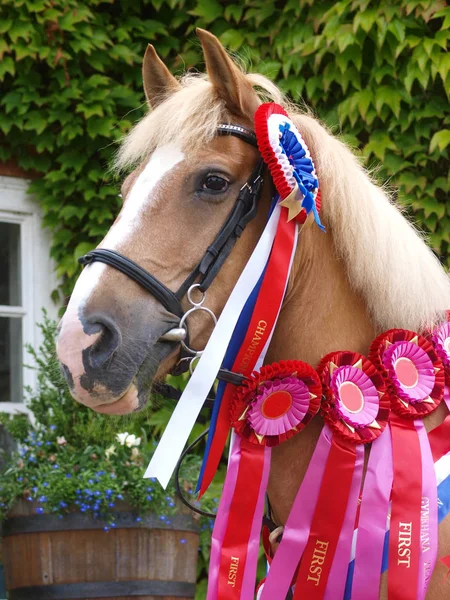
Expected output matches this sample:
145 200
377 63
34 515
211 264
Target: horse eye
214 184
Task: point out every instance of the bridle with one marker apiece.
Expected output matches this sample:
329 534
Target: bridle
244 210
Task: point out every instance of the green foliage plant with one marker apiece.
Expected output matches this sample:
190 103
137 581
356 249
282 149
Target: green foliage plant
70 77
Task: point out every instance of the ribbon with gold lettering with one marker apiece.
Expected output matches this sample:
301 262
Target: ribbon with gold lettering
292 168
274 405
414 375
263 320
356 411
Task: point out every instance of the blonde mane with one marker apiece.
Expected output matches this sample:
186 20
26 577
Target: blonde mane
387 260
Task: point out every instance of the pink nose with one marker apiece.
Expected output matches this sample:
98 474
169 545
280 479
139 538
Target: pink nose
84 349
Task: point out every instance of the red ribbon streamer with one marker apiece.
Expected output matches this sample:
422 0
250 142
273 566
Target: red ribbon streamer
404 540
327 522
261 324
439 439
235 543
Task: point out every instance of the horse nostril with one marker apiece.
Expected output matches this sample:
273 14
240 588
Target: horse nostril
106 343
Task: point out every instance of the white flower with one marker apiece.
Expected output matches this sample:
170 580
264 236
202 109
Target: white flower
121 437
110 451
132 440
135 453
61 441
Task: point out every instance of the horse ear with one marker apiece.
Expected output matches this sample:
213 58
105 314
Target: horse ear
228 80
158 80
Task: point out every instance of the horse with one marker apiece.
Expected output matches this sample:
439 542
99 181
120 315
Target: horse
371 271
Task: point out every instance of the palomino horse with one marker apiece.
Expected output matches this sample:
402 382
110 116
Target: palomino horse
370 272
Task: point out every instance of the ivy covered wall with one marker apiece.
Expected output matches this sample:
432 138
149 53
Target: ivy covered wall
378 72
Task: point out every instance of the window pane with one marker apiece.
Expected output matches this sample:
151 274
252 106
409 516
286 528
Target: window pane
10 293
11 360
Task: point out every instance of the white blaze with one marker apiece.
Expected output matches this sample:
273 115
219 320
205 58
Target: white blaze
161 162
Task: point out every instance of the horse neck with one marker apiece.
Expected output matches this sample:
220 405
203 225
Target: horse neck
321 314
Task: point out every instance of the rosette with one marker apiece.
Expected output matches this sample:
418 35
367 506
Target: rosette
276 403
441 341
414 376
356 405
412 369
289 161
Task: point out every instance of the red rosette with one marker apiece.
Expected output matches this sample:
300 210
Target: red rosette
276 403
412 371
356 404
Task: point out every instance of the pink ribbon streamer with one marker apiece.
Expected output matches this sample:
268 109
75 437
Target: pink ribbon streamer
447 396
338 573
296 531
372 519
248 583
429 514
221 521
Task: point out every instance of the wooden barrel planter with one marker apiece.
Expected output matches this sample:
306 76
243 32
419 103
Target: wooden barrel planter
48 558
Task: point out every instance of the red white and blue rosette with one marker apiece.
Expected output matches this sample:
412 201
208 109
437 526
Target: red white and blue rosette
276 403
412 369
356 406
290 163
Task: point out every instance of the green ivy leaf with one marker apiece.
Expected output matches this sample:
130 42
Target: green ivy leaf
441 139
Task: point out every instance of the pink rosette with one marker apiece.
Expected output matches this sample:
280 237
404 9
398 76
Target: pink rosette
356 406
441 341
279 406
276 403
411 371
357 399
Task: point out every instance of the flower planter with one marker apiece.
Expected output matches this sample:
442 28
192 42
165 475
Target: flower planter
52 558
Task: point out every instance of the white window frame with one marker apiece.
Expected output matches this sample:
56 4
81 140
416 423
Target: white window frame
38 277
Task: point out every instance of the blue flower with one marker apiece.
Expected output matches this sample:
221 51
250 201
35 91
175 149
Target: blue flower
138 519
113 525
63 504
40 510
149 498
149 489
45 484
68 475
182 541
20 479
162 518
119 497
53 427
91 481
111 504
106 528
42 499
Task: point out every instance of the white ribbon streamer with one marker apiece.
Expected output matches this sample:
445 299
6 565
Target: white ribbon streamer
176 434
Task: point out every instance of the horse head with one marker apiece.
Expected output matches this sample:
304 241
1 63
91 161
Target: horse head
111 342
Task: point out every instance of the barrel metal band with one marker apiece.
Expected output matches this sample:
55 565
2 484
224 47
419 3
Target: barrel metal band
104 589
79 522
